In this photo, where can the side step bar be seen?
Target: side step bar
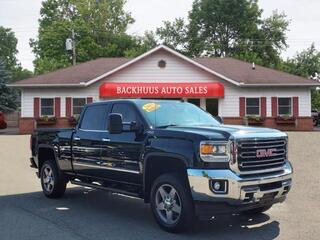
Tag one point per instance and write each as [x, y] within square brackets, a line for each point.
[115, 190]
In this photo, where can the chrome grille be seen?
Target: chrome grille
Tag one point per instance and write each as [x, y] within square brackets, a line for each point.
[261, 155]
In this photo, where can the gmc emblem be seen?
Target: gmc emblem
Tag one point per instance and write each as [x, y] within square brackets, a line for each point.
[265, 152]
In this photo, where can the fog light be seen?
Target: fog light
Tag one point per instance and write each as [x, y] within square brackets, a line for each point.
[216, 186]
[219, 186]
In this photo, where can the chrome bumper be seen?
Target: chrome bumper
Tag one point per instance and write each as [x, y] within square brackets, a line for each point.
[240, 190]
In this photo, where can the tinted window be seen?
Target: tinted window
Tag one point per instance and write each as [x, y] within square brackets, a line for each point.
[253, 106]
[95, 118]
[284, 106]
[47, 106]
[77, 105]
[128, 112]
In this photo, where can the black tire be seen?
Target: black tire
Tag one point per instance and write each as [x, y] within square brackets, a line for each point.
[56, 180]
[182, 198]
[257, 210]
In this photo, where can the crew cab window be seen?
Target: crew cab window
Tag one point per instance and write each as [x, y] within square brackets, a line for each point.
[284, 106]
[252, 106]
[77, 105]
[128, 112]
[47, 106]
[94, 118]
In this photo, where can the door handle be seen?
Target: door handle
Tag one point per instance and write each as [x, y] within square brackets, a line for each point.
[76, 139]
[105, 139]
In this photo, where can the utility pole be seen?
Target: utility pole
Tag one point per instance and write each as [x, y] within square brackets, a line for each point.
[74, 57]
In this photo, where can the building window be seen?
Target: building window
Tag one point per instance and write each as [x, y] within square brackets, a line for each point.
[284, 106]
[47, 107]
[253, 106]
[77, 105]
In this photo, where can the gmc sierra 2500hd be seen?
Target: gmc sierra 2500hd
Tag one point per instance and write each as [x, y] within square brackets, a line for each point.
[172, 154]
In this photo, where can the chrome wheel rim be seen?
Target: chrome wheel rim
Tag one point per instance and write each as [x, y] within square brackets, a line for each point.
[168, 204]
[48, 179]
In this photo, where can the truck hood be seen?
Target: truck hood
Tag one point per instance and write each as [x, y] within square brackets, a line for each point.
[230, 131]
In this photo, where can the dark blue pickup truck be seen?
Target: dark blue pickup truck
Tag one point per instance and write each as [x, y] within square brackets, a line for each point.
[174, 155]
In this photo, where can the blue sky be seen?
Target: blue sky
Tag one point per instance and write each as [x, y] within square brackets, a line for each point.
[22, 16]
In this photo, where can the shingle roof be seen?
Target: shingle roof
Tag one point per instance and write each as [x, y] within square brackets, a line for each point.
[82, 72]
[236, 71]
[241, 71]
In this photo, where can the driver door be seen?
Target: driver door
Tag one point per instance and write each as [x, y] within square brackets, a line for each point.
[121, 153]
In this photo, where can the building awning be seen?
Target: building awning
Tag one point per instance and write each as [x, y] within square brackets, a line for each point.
[161, 90]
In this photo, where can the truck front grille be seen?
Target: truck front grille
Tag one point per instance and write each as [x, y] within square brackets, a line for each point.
[261, 155]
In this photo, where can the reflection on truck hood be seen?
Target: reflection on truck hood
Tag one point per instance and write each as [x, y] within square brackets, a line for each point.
[226, 131]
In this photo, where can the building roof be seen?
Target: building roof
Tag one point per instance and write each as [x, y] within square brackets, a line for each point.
[244, 73]
[75, 75]
[237, 72]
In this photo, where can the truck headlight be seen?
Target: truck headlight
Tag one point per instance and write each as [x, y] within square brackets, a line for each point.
[211, 151]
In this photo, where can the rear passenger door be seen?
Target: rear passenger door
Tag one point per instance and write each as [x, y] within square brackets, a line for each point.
[87, 140]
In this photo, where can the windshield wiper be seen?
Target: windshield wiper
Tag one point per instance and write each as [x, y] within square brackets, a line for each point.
[166, 126]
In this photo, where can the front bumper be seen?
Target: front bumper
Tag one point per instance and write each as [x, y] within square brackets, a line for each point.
[242, 191]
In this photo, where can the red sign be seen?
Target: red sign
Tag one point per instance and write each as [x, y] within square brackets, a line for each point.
[161, 90]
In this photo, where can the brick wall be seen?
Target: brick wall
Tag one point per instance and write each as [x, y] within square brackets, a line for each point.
[302, 124]
[27, 125]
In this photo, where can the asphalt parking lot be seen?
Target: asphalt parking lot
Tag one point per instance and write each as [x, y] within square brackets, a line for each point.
[88, 214]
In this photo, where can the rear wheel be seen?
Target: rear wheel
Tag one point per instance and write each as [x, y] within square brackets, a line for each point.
[52, 181]
[171, 203]
[258, 210]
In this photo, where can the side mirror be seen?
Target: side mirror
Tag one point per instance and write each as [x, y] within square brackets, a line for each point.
[115, 124]
[219, 119]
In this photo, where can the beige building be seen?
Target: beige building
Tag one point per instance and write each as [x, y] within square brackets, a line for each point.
[232, 89]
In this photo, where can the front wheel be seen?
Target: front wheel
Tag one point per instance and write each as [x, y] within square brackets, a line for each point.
[171, 203]
[52, 181]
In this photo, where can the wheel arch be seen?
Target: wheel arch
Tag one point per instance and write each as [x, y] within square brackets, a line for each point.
[156, 164]
[46, 152]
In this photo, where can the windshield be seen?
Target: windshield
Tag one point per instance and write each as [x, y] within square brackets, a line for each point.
[175, 113]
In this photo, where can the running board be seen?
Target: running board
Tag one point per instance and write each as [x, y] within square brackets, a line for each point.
[114, 190]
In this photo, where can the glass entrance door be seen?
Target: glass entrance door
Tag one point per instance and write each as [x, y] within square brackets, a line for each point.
[195, 101]
[212, 106]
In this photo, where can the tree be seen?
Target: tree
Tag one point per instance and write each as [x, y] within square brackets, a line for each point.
[306, 64]
[175, 35]
[143, 44]
[266, 43]
[8, 97]
[8, 47]
[20, 73]
[233, 28]
[8, 53]
[100, 31]
[217, 27]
